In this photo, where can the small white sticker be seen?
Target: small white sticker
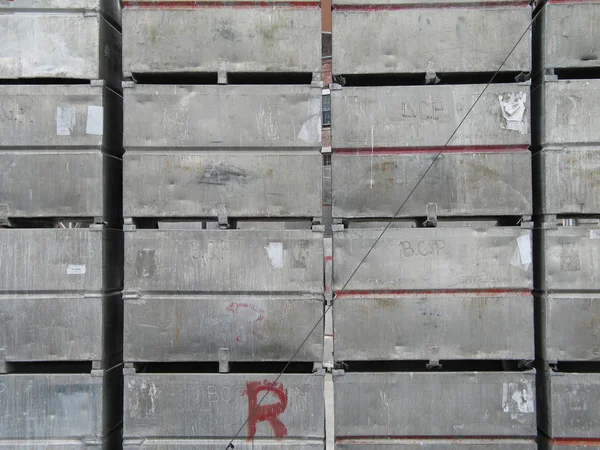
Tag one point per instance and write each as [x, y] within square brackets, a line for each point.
[95, 120]
[275, 253]
[517, 398]
[594, 234]
[311, 130]
[524, 243]
[513, 110]
[65, 120]
[76, 269]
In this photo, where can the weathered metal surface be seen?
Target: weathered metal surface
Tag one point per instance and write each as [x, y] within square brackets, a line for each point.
[433, 258]
[569, 327]
[111, 8]
[434, 444]
[569, 444]
[569, 258]
[454, 39]
[62, 116]
[568, 180]
[57, 183]
[306, 443]
[435, 404]
[271, 261]
[427, 116]
[209, 405]
[219, 117]
[568, 31]
[459, 183]
[572, 401]
[434, 327]
[73, 45]
[55, 406]
[205, 184]
[59, 260]
[200, 38]
[570, 108]
[195, 328]
[60, 328]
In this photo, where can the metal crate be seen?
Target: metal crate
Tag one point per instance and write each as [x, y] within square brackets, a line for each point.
[460, 326]
[212, 444]
[478, 404]
[221, 117]
[204, 407]
[479, 183]
[109, 8]
[421, 117]
[436, 444]
[431, 259]
[188, 183]
[428, 36]
[198, 37]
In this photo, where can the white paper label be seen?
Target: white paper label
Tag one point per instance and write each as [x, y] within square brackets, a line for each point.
[65, 120]
[76, 269]
[95, 120]
[594, 234]
[524, 243]
[275, 253]
[513, 111]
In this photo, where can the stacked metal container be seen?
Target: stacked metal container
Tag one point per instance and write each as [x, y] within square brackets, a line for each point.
[222, 204]
[60, 247]
[433, 333]
[566, 167]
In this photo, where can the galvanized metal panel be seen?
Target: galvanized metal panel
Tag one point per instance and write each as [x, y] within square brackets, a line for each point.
[460, 184]
[194, 328]
[209, 405]
[570, 323]
[204, 184]
[442, 3]
[569, 258]
[433, 258]
[111, 8]
[63, 116]
[435, 404]
[426, 116]
[430, 39]
[570, 110]
[74, 45]
[568, 33]
[434, 327]
[50, 406]
[272, 261]
[434, 444]
[212, 444]
[568, 180]
[61, 260]
[218, 117]
[573, 405]
[200, 38]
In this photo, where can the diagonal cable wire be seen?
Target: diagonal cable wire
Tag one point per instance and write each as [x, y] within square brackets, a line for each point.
[536, 14]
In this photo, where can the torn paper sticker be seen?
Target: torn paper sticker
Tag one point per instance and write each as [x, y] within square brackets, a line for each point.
[65, 120]
[311, 130]
[76, 269]
[275, 253]
[522, 256]
[513, 110]
[594, 234]
[517, 399]
[95, 120]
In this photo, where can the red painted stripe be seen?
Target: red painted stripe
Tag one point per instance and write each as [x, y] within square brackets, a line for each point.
[480, 292]
[348, 439]
[217, 4]
[328, 258]
[573, 1]
[469, 5]
[591, 442]
[449, 149]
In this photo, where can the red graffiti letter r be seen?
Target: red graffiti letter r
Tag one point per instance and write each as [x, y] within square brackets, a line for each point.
[266, 413]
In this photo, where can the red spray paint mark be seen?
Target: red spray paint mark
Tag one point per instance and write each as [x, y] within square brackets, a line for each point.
[415, 150]
[469, 5]
[265, 413]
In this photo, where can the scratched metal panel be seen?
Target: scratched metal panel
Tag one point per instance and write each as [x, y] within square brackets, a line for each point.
[426, 116]
[569, 327]
[568, 180]
[209, 405]
[434, 327]
[456, 39]
[433, 258]
[51, 406]
[212, 444]
[194, 328]
[59, 45]
[435, 444]
[61, 260]
[209, 39]
[63, 116]
[272, 261]
[570, 110]
[460, 184]
[222, 116]
[203, 184]
[569, 258]
[568, 35]
[435, 404]
[573, 400]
